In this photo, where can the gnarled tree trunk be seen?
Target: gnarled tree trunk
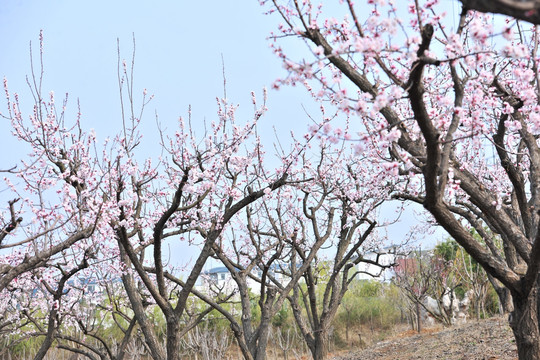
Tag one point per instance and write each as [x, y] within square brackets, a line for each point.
[524, 324]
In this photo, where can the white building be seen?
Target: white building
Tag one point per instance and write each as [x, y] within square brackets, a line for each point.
[368, 270]
[219, 280]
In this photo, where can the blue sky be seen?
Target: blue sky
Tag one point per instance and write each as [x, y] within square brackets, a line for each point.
[179, 53]
[179, 49]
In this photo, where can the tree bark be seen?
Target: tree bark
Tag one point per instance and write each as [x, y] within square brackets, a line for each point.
[524, 10]
[505, 298]
[320, 345]
[524, 324]
[139, 312]
[347, 326]
[173, 339]
[418, 317]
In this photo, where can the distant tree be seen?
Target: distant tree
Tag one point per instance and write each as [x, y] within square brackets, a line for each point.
[472, 277]
[447, 250]
[422, 276]
[337, 209]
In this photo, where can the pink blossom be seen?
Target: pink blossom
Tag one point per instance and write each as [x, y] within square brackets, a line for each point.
[319, 51]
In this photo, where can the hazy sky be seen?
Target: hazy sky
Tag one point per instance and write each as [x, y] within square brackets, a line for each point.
[179, 50]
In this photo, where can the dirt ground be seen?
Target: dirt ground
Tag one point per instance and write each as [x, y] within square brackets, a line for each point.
[489, 339]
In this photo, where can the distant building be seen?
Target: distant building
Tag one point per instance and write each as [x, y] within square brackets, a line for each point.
[368, 270]
[219, 279]
[216, 280]
[92, 285]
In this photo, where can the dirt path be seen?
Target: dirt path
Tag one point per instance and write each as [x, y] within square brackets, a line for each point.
[489, 339]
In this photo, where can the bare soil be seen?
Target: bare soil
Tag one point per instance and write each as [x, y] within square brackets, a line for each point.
[489, 339]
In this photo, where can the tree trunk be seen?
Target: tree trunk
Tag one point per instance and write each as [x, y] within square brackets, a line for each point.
[241, 340]
[135, 299]
[506, 301]
[524, 323]
[319, 347]
[418, 317]
[505, 298]
[173, 339]
[47, 342]
[347, 325]
[262, 342]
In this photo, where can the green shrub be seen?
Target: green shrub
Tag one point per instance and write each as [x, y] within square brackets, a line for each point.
[281, 318]
[370, 303]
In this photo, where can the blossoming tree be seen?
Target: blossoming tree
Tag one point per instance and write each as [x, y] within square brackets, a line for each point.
[453, 105]
[103, 207]
[339, 208]
[276, 250]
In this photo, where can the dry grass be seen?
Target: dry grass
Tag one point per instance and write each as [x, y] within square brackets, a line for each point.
[489, 339]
